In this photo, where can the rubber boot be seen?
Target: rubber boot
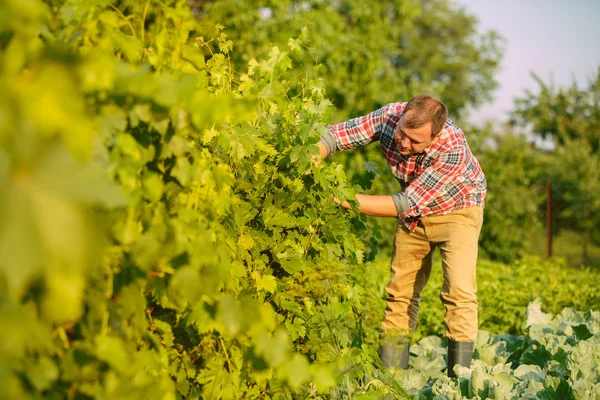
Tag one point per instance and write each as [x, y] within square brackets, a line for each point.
[459, 353]
[394, 351]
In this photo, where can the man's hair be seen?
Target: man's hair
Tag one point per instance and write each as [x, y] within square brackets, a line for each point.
[425, 109]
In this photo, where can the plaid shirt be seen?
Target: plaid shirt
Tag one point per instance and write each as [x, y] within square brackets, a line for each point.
[445, 177]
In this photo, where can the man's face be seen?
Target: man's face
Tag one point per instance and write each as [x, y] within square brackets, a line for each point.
[413, 140]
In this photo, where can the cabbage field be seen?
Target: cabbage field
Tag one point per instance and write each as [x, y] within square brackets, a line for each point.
[557, 358]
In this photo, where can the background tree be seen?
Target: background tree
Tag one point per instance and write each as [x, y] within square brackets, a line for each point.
[369, 54]
[570, 119]
[514, 172]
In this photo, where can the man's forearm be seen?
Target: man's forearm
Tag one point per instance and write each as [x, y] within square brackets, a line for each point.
[377, 206]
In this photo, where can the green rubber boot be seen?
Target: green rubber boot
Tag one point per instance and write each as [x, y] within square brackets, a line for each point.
[394, 351]
[459, 353]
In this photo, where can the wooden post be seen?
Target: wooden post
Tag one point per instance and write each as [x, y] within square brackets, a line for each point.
[548, 219]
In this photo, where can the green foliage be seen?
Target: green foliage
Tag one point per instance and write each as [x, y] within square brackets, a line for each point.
[562, 114]
[563, 247]
[514, 170]
[574, 171]
[369, 54]
[570, 119]
[160, 235]
[164, 232]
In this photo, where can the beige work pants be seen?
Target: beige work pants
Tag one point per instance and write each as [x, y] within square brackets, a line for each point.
[456, 234]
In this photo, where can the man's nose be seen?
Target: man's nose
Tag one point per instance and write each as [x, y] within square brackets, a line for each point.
[405, 142]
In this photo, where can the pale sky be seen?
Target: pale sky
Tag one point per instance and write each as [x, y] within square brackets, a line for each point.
[559, 40]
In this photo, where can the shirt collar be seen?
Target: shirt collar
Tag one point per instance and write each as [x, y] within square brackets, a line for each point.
[436, 146]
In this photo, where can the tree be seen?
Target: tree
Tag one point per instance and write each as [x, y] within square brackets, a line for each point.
[562, 114]
[369, 53]
[514, 171]
[570, 119]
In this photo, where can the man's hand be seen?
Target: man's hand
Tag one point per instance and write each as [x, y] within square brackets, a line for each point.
[318, 159]
[322, 151]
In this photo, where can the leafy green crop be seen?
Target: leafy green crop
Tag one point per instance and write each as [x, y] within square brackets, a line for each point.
[160, 234]
[558, 359]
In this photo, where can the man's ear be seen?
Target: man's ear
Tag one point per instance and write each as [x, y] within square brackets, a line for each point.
[436, 138]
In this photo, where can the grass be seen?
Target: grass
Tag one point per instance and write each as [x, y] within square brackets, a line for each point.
[567, 245]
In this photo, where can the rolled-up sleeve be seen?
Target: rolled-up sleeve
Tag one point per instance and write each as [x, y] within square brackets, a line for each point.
[328, 139]
[401, 202]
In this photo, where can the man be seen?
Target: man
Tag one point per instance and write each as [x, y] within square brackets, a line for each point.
[440, 205]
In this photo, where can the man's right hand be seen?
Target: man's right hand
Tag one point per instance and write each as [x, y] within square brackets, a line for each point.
[318, 159]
